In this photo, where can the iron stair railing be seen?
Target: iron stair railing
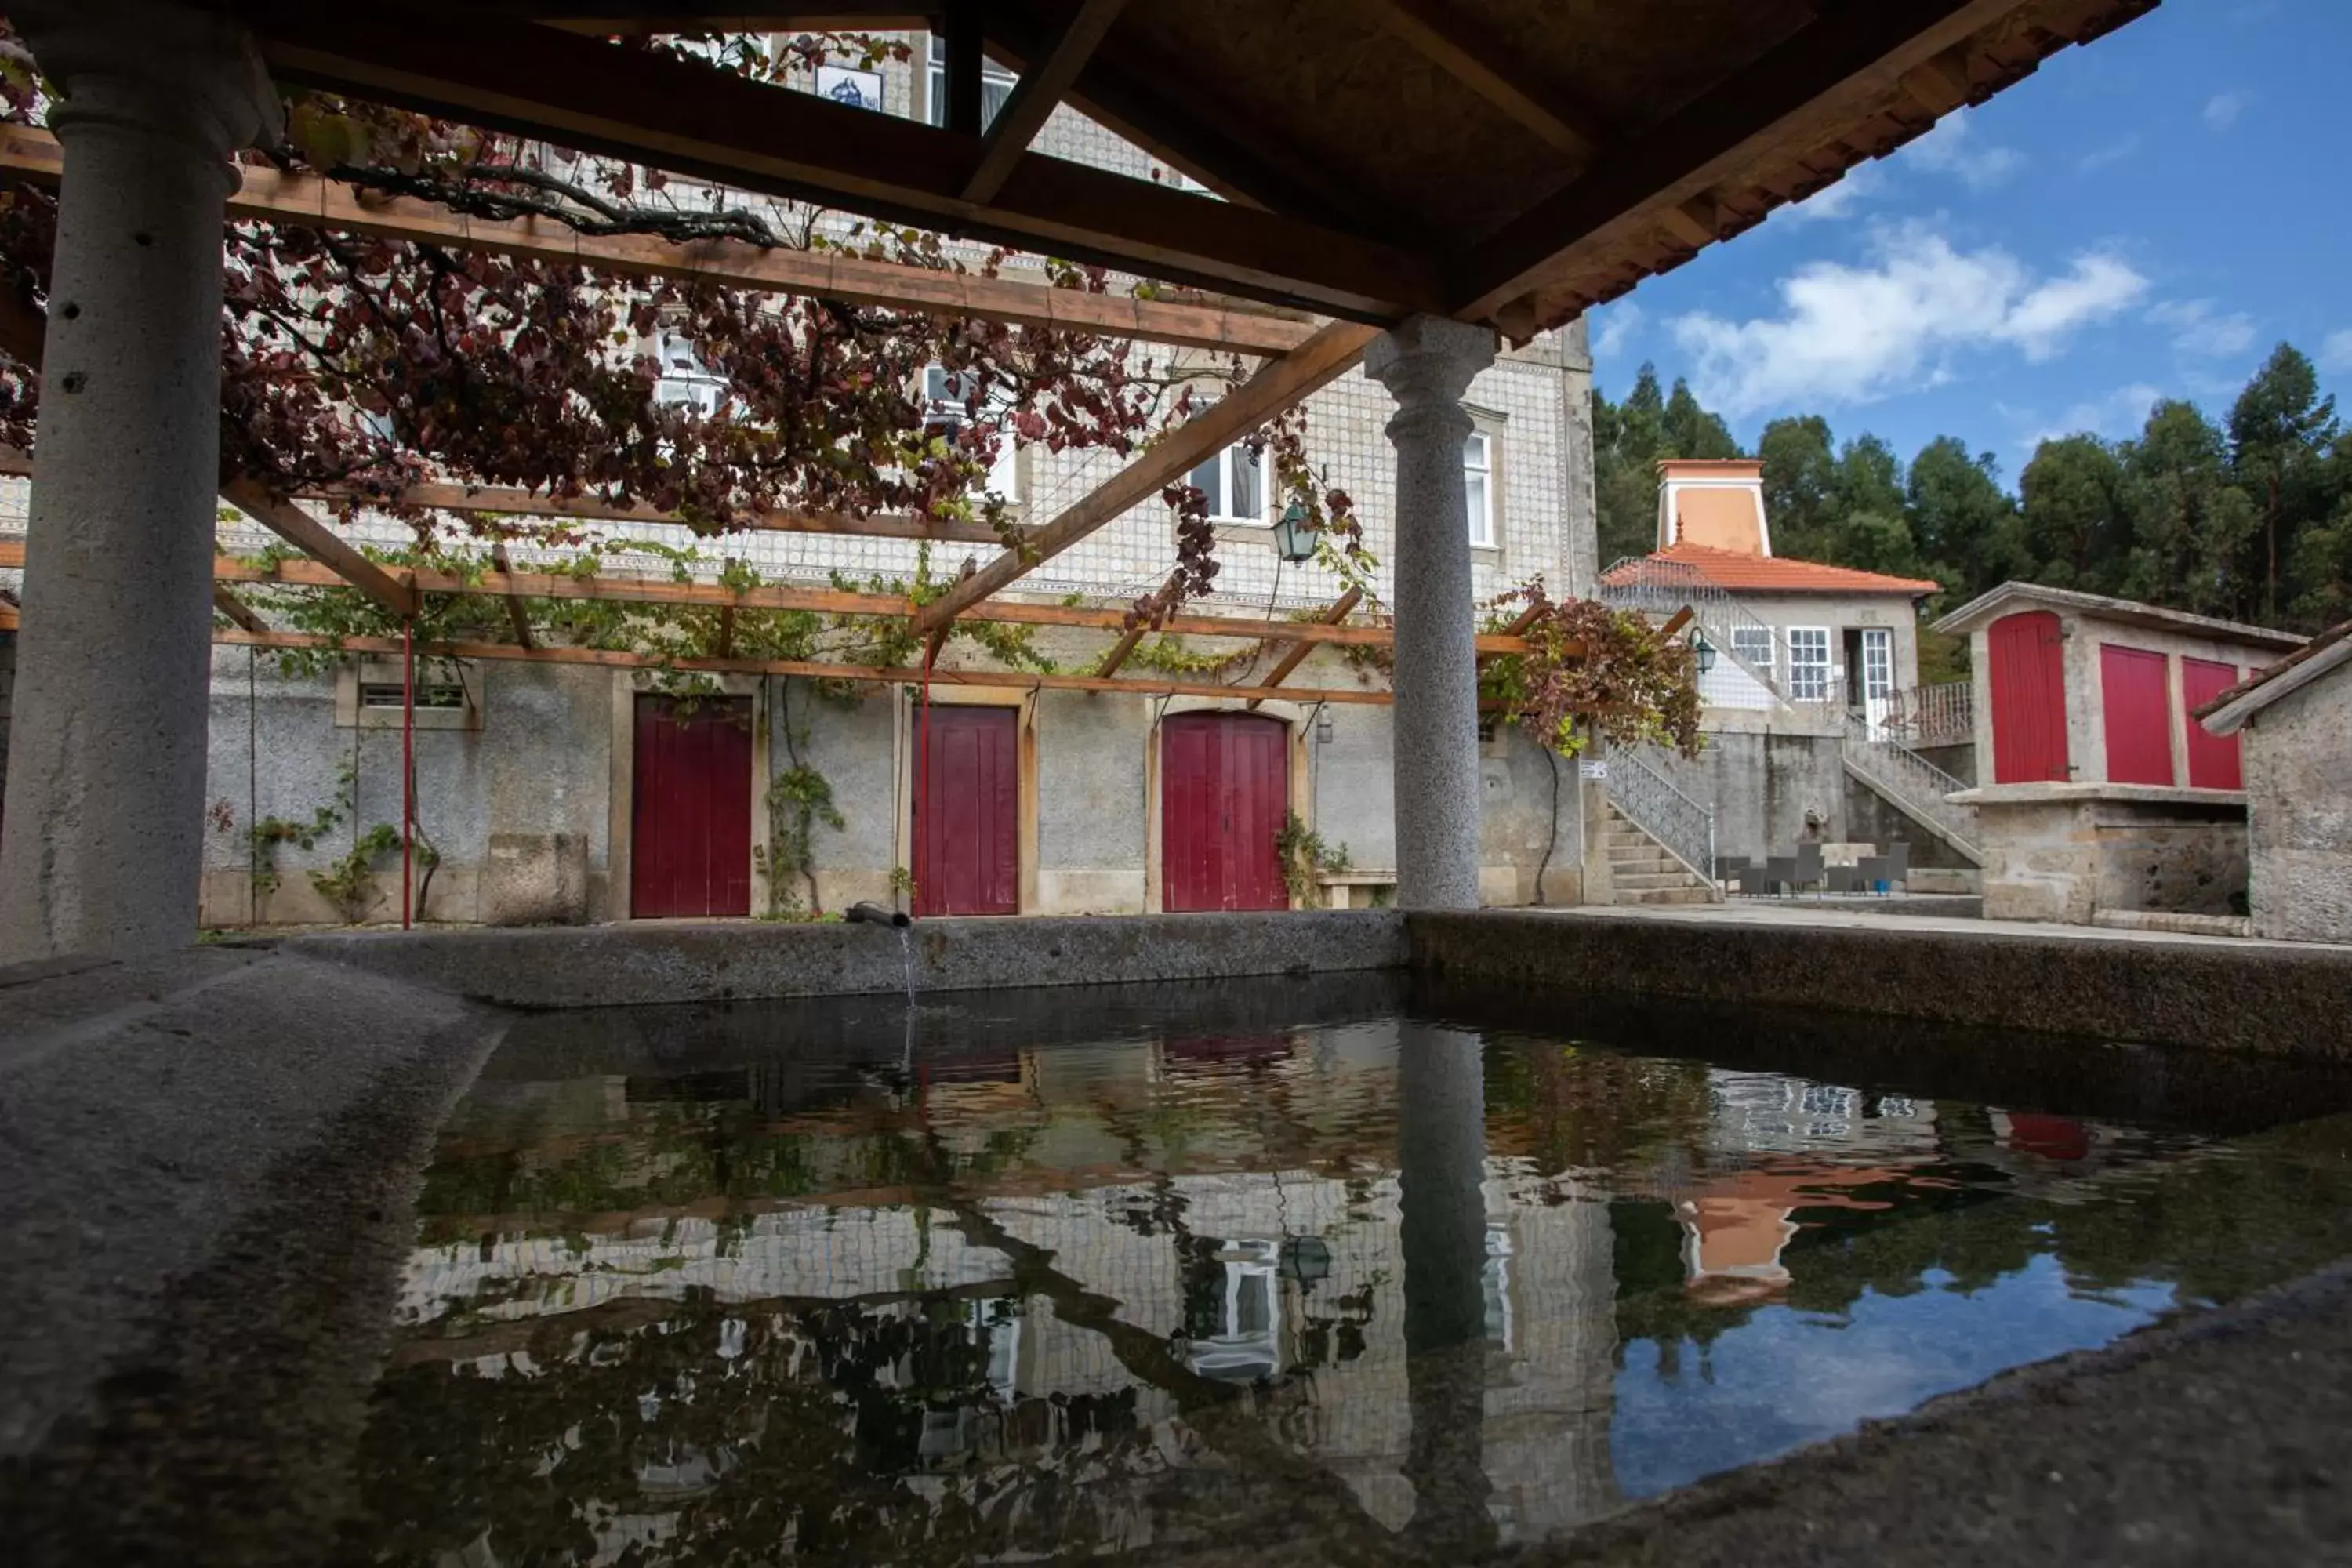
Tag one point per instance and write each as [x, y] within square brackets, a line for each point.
[1914, 784]
[1684, 827]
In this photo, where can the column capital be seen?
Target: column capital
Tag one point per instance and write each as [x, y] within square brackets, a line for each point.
[1428, 360]
[188, 76]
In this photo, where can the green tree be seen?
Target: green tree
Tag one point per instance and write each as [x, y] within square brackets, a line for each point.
[2279, 429]
[1691, 431]
[1965, 523]
[1800, 485]
[2190, 525]
[2075, 535]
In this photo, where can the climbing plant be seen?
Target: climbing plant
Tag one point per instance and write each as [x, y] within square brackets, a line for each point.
[1304, 858]
[1591, 671]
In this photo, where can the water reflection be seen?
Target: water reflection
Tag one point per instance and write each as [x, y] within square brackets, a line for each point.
[1322, 1274]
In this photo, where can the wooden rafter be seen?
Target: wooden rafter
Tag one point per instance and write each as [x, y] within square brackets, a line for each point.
[1789, 101]
[1040, 90]
[1517, 628]
[518, 613]
[265, 193]
[237, 609]
[1129, 638]
[1458, 45]
[300, 574]
[1329, 354]
[698, 120]
[307, 534]
[1299, 650]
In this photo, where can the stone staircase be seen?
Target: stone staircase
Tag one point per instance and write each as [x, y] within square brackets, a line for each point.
[1642, 871]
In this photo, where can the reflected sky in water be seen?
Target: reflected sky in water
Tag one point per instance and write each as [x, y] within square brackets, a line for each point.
[1319, 1266]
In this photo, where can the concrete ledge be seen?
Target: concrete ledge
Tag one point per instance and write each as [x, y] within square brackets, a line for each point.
[2176, 921]
[660, 961]
[2202, 992]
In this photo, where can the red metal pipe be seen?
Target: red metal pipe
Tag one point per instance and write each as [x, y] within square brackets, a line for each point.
[923, 778]
[408, 761]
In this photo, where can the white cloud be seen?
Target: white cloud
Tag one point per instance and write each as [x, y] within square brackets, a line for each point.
[1951, 148]
[2198, 330]
[1848, 334]
[1618, 322]
[2221, 110]
[2098, 158]
[2120, 413]
[2336, 350]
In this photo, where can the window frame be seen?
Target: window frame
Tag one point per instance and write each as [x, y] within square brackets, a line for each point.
[935, 82]
[1224, 460]
[1828, 665]
[1485, 521]
[943, 408]
[1769, 662]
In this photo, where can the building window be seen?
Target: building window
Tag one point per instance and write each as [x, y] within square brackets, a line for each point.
[947, 408]
[1752, 645]
[1234, 482]
[996, 85]
[684, 381]
[1809, 664]
[430, 694]
[1478, 488]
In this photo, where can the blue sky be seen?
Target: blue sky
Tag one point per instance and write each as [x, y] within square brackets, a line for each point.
[2144, 217]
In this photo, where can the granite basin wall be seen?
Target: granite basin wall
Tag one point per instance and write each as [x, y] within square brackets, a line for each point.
[688, 962]
[2204, 992]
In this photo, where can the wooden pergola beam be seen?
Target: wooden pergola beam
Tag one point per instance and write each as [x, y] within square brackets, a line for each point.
[1517, 628]
[237, 609]
[300, 574]
[266, 194]
[1131, 638]
[1333, 351]
[815, 669]
[518, 613]
[307, 534]
[1464, 50]
[1299, 650]
[698, 120]
[1041, 87]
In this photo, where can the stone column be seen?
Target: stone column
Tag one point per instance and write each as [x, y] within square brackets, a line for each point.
[102, 847]
[1427, 364]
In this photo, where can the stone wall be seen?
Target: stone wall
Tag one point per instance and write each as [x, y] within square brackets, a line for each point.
[530, 807]
[8, 694]
[2067, 856]
[1871, 818]
[2298, 768]
[1763, 784]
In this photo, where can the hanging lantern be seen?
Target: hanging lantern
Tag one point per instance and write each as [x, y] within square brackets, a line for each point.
[1703, 650]
[1294, 536]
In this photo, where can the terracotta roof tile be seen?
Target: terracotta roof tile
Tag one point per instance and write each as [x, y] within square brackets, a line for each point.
[1741, 573]
[2264, 677]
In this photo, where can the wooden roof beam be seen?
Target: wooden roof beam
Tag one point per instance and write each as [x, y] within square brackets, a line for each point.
[237, 609]
[266, 195]
[1465, 51]
[1131, 637]
[1786, 101]
[1299, 650]
[1333, 351]
[695, 119]
[1042, 87]
[518, 613]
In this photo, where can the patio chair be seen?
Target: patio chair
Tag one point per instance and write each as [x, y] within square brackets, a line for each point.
[1898, 865]
[1873, 872]
[1843, 879]
[1781, 872]
[1809, 867]
[1753, 881]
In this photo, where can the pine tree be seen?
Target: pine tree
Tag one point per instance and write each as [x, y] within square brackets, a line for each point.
[2279, 429]
[2075, 531]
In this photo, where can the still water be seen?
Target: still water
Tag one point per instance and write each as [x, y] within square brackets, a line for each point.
[1319, 1270]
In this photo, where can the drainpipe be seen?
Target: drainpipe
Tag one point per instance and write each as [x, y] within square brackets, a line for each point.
[408, 764]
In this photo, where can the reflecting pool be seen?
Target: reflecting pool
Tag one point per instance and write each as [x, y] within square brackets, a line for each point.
[1326, 1269]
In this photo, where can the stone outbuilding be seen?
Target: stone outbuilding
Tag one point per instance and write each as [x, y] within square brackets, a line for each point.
[2098, 799]
[2294, 723]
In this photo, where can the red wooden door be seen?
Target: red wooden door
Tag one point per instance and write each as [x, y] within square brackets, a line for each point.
[690, 817]
[2134, 692]
[2028, 677]
[968, 815]
[1225, 789]
[2212, 759]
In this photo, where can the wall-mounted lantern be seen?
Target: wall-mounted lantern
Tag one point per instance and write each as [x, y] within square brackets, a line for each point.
[1704, 651]
[1294, 536]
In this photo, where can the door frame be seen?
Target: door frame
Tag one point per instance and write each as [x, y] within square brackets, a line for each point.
[621, 817]
[1302, 799]
[907, 715]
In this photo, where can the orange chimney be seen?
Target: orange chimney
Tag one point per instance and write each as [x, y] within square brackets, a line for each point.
[1717, 502]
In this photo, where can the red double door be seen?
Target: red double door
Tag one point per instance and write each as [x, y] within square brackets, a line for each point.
[1225, 789]
[2028, 699]
[690, 815]
[968, 812]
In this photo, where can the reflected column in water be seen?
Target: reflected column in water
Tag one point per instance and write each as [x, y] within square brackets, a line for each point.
[1441, 1156]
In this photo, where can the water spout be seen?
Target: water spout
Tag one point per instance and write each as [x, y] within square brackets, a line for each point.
[872, 914]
